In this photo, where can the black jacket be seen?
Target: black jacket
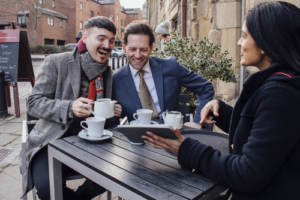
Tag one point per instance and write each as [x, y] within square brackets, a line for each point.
[264, 131]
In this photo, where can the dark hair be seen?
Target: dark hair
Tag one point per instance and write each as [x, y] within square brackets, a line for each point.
[100, 22]
[275, 27]
[139, 28]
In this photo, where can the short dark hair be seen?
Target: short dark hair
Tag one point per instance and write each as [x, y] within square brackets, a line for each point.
[275, 27]
[100, 22]
[138, 27]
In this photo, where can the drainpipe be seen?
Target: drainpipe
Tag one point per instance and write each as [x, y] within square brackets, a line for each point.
[183, 17]
[242, 68]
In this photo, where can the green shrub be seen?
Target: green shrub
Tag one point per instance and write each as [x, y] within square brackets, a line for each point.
[45, 49]
[202, 57]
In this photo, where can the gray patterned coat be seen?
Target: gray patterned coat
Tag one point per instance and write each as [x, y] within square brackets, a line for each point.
[56, 87]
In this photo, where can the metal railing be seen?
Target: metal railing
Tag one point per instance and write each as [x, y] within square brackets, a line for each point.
[118, 61]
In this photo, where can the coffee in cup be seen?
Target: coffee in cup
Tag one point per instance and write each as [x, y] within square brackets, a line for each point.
[104, 108]
[143, 116]
[94, 126]
[173, 118]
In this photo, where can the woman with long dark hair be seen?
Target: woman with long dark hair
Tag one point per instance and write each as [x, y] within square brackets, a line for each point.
[264, 125]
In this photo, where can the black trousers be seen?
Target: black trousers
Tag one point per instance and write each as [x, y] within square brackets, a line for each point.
[40, 174]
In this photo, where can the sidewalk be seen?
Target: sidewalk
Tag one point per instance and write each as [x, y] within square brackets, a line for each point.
[10, 146]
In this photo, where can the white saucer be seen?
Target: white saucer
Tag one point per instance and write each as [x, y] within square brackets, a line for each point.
[136, 143]
[84, 135]
[137, 122]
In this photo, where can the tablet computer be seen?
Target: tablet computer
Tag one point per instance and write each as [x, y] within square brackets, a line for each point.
[134, 133]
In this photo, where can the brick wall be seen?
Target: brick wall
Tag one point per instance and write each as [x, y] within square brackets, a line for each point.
[65, 30]
[37, 25]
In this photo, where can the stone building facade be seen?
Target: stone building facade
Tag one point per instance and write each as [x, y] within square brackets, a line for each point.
[56, 22]
[219, 20]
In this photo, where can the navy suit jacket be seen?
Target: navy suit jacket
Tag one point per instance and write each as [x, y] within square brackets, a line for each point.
[169, 76]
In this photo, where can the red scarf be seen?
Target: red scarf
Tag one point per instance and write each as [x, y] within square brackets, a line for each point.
[93, 90]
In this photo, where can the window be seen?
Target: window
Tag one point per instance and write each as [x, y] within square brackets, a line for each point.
[48, 41]
[80, 25]
[50, 21]
[80, 6]
[43, 2]
[92, 13]
[22, 20]
[53, 4]
[60, 42]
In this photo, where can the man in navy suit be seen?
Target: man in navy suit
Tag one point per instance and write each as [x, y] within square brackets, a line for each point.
[164, 77]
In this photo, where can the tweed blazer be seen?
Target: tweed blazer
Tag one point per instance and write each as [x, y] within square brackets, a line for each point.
[56, 87]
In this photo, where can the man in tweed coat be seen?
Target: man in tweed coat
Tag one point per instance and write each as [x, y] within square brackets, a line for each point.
[61, 99]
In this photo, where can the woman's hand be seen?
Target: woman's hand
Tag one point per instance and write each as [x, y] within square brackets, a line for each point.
[164, 143]
[212, 106]
[193, 125]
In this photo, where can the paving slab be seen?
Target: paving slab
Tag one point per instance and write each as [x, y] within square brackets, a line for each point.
[2, 197]
[11, 189]
[15, 143]
[11, 127]
[10, 158]
[5, 139]
[14, 172]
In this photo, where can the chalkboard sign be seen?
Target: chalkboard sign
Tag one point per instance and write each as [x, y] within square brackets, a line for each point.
[9, 53]
[15, 59]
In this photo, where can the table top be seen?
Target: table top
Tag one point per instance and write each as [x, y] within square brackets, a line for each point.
[152, 173]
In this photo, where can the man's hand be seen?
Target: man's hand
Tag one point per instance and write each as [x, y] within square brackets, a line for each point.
[164, 143]
[82, 107]
[117, 110]
[212, 106]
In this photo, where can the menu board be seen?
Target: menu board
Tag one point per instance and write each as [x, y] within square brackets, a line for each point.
[15, 59]
[9, 53]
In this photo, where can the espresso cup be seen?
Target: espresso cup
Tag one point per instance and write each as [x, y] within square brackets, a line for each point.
[143, 116]
[104, 108]
[173, 118]
[94, 126]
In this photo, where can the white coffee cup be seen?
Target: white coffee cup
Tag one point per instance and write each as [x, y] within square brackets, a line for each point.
[104, 108]
[143, 115]
[173, 118]
[94, 126]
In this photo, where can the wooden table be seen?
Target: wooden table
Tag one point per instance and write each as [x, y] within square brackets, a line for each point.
[129, 171]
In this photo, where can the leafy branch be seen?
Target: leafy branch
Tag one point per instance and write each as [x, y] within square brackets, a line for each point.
[202, 57]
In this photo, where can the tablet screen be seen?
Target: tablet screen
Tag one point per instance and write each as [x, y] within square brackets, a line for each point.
[135, 133]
